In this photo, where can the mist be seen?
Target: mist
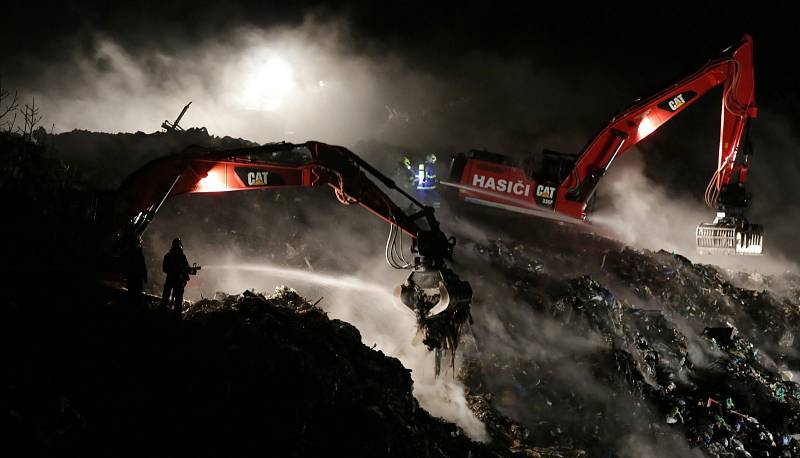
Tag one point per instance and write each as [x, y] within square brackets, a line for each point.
[292, 84]
[645, 214]
[384, 323]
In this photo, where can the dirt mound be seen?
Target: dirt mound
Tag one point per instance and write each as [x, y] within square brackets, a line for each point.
[248, 374]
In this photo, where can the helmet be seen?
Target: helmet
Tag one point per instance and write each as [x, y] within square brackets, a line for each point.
[431, 158]
[176, 243]
[406, 161]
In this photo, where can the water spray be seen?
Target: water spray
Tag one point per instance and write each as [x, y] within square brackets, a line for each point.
[344, 282]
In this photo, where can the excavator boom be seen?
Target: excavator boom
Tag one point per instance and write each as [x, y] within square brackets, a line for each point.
[440, 299]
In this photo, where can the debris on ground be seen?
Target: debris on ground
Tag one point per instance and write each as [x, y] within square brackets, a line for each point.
[682, 354]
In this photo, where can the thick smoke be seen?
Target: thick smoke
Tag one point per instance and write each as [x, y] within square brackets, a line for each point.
[318, 81]
[282, 84]
[289, 84]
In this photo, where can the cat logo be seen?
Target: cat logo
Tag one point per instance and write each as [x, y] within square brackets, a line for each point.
[253, 177]
[675, 102]
[545, 192]
[546, 195]
[257, 178]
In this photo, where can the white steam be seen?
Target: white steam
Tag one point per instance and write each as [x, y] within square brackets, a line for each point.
[644, 214]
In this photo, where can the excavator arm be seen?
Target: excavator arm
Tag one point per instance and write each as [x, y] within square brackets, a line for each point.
[730, 233]
[734, 70]
[568, 183]
[440, 299]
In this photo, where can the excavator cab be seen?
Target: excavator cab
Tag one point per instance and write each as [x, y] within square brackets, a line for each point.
[551, 167]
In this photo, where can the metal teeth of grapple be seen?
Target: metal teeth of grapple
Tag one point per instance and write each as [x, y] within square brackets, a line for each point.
[441, 302]
[715, 238]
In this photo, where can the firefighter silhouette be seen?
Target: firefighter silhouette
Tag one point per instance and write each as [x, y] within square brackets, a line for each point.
[177, 268]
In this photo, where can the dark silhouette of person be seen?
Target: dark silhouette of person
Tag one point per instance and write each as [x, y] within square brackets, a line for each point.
[134, 270]
[177, 268]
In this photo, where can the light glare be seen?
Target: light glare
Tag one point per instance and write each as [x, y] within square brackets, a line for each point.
[213, 182]
[266, 84]
[646, 127]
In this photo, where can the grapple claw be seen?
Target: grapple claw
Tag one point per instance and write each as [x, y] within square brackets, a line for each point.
[730, 235]
[441, 302]
[433, 292]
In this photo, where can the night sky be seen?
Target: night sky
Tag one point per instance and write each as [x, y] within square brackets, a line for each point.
[635, 48]
[656, 38]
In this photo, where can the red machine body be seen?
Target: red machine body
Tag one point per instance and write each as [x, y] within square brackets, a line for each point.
[565, 184]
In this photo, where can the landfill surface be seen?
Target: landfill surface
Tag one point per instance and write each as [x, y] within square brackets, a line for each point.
[685, 354]
[580, 346]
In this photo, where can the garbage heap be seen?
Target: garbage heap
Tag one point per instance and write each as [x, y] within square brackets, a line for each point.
[676, 358]
[246, 374]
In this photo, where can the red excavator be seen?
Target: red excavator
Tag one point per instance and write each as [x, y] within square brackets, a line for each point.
[440, 299]
[562, 186]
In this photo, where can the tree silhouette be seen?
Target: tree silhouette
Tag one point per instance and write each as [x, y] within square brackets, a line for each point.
[10, 107]
[31, 118]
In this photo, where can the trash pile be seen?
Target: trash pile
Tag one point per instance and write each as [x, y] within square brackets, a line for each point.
[675, 354]
[704, 294]
[505, 432]
[244, 374]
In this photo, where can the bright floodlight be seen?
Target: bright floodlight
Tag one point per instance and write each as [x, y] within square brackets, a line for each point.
[266, 84]
[213, 182]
